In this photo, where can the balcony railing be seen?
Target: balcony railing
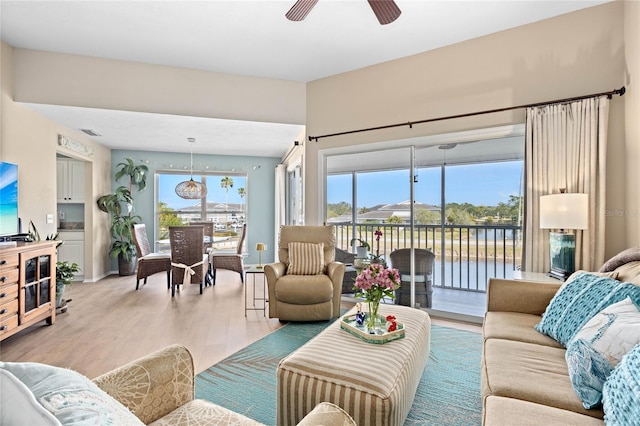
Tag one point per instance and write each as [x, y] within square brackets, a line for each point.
[466, 256]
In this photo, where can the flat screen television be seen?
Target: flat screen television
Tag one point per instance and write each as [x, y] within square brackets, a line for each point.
[9, 222]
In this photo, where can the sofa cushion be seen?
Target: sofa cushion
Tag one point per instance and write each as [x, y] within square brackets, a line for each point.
[629, 272]
[621, 393]
[501, 411]
[578, 300]
[599, 346]
[72, 398]
[515, 326]
[306, 258]
[529, 372]
[629, 255]
[199, 412]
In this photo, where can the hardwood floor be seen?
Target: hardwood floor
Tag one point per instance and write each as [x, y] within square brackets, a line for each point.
[109, 323]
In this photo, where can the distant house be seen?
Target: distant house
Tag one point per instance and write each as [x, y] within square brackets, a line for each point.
[215, 212]
[382, 212]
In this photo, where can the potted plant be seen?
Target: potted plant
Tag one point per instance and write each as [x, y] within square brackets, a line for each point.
[120, 205]
[362, 248]
[65, 273]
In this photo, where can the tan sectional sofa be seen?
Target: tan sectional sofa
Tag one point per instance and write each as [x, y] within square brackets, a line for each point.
[156, 389]
[524, 376]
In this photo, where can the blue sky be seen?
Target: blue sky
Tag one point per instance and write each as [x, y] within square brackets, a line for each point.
[480, 184]
[215, 193]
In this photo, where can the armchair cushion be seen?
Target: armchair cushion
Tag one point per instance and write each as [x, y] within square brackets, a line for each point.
[304, 289]
[306, 258]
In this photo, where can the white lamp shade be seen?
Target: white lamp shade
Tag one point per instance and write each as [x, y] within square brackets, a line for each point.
[564, 211]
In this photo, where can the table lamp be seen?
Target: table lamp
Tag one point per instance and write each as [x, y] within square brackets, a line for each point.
[260, 247]
[561, 212]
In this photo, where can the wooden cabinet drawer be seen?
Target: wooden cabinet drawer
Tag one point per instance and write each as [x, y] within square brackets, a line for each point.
[8, 324]
[8, 309]
[8, 293]
[9, 276]
[8, 261]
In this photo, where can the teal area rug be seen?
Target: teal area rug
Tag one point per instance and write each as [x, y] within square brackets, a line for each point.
[448, 394]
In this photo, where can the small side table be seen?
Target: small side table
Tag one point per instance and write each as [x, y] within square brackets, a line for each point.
[254, 270]
[534, 276]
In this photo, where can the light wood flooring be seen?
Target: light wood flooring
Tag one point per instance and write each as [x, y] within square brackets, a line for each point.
[109, 323]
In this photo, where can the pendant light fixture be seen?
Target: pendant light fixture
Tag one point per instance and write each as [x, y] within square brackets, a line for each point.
[191, 189]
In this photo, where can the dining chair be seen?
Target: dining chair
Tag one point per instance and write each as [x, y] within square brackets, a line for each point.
[149, 262]
[187, 259]
[207, 245]
[230, 260]
[208, 233]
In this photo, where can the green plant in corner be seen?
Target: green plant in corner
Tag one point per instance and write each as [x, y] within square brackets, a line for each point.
[121, 201]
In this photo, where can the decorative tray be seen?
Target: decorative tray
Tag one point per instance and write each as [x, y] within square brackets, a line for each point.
[348, 323]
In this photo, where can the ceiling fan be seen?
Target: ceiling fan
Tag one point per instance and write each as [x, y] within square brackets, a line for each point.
[386, 10]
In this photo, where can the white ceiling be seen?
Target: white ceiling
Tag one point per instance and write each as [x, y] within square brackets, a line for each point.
[242, 37]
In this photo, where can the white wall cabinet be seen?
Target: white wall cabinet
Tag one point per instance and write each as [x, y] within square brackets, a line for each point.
[70, 181]
[73, 249]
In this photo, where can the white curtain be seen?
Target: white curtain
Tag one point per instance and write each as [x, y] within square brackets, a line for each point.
[566, 148]
[280, 203]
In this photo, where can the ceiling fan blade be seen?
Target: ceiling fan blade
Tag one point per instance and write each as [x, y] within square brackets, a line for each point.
[386, 10]
[300, 10]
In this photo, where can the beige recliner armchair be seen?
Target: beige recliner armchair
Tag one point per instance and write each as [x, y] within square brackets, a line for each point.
[306, 283]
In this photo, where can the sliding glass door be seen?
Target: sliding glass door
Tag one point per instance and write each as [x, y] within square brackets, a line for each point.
[461, 202]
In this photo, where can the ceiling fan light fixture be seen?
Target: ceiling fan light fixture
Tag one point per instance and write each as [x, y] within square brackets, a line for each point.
[386, 11]
[300, 10]
[191, 189]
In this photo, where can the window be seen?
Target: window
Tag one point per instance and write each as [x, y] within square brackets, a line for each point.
[225, 205]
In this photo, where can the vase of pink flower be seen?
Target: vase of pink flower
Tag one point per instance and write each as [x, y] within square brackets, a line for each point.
[373, 284]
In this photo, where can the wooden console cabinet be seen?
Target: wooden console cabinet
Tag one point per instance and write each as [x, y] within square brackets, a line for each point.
[27, 286]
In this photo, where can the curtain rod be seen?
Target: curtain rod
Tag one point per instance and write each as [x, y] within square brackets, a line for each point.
[609, 94]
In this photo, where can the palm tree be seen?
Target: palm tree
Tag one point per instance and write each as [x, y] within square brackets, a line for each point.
[226, 183]
[242, 192]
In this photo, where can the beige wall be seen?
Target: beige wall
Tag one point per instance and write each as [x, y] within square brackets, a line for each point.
[60, 79]
[571, 55]
[632, 123]
[31, 141]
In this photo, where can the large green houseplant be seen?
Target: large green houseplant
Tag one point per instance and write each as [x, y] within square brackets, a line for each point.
[120, 205]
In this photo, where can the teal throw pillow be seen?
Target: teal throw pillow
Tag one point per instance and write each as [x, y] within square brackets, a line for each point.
[71, 397]
[598, 348]
[621, 392]
[579, 300]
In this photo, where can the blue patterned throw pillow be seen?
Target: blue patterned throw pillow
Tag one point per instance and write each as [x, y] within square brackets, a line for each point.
[598, 348]
[579, 300]
[621, 393]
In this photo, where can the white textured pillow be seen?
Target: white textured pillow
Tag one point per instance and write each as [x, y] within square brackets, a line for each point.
[599, 346]
[18, 406]
[69, 396]
[306, 258]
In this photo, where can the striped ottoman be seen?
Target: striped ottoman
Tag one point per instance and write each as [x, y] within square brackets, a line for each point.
[374, 383]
